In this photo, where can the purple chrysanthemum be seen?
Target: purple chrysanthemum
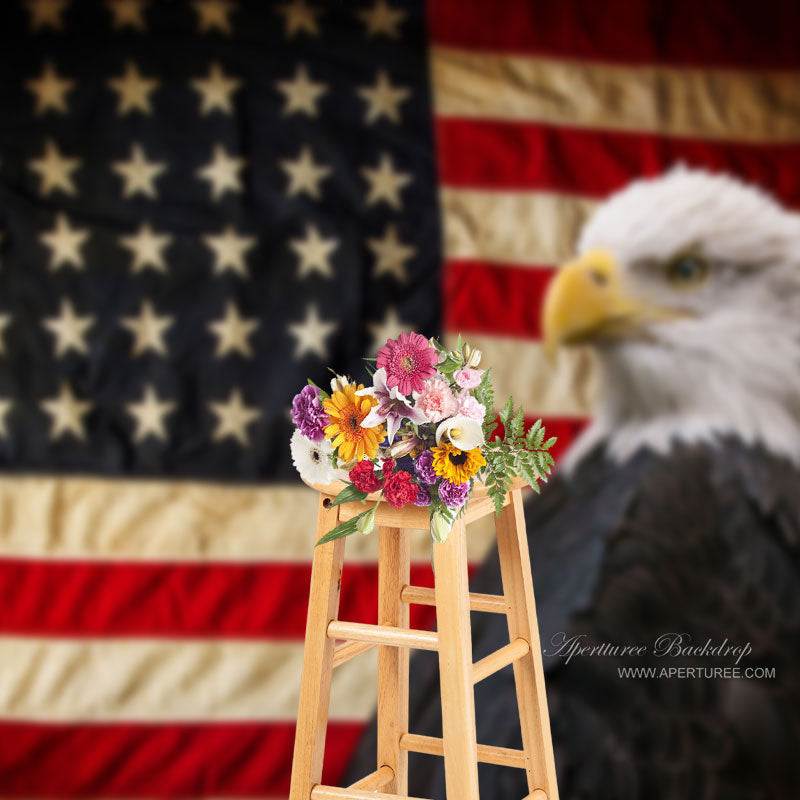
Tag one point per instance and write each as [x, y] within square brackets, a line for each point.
[423, 498]
[308, 414]
[454, 495]
[423, 466]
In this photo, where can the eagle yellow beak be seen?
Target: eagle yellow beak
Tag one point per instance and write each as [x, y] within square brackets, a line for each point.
[586, 301]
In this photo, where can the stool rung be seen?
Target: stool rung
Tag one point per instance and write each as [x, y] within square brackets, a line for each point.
[383, 634]
[344, 652]
[375, 780]
[494, 662]
[536, 794]
[423, 596]
[320, 792]
[487, 754]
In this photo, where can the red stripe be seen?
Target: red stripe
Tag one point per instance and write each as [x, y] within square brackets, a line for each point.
[513, 155]
[178, 599]
[164, 760]
[498, 299]
[737, 33]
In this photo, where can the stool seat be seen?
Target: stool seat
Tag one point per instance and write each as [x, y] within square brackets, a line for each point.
[452, 641]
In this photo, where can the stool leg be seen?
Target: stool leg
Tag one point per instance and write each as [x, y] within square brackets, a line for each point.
[393, 575]
[455, 666]
[315, 683]
[515, 567]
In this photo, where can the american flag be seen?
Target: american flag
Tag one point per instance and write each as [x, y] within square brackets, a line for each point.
[202, 203]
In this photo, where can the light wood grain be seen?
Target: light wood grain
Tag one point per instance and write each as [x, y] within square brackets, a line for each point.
[394, 564]
[515, 568]
[538, 794]
[334, 793]
[412, 517]
[383, 634]
[500, 658]
[342, 653]
[315, 680]
[424, 596]
[487, 754]
[455, 665]
[375, 780]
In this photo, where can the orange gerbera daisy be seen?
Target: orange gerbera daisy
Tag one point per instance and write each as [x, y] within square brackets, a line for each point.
[346, 412]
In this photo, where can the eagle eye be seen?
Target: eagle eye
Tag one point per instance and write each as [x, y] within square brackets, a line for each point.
[687, 270]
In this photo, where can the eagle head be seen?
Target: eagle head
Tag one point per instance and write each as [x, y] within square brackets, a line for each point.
[687, 287]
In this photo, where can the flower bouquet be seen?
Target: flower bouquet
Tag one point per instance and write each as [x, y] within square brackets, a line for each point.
[421, 434]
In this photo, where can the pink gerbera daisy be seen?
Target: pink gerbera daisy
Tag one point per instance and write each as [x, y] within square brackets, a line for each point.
[408, 361]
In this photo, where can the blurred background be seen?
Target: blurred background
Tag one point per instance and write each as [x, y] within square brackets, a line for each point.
[204, 202]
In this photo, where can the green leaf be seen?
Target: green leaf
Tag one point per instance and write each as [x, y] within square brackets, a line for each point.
[322, 392]
[532, 432]
[344, 529]
[517, 424]
[348, 495]
[549, 443]
[459, 343]
[508, 410]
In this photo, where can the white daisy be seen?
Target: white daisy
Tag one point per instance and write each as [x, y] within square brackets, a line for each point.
[312, 459]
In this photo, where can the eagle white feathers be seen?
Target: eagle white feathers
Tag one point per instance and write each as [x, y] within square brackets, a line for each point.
[688, 288]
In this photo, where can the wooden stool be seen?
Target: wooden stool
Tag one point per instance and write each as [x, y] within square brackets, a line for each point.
[393, 637]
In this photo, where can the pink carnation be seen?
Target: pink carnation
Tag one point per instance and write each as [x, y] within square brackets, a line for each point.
[437, 400]
[408, 361]
[468, 406]
[468, 378]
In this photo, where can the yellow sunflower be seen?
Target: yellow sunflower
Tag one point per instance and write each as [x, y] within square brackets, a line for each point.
[346, 412]
[457, 466]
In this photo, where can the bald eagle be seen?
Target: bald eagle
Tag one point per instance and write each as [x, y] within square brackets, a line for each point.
[673, 526]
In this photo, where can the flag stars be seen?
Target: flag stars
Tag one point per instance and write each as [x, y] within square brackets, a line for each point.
[304, 174]
[383, 99]
[222, 172]
[314, 252]
[54, 170]
[133, 91]
[232, 332]
[389, 328]
[233, 418]
[215, 91]
[66, 413]
[299, 17]
[391, 255]
[147, 248]
[69, 330]
[382, 20]
[214, 15]
[149, 415]
[50, 90]
[148, 329]
[311, 333]
[230, 249]
[65, 244]
[302, 93]
[385, 183]
[127, 14]
[46, 13]
[138, 174]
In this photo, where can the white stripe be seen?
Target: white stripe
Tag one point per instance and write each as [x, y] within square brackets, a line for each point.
[564, 387]
[93, 518]
[167, 680]
[749, 106]
[526, 228]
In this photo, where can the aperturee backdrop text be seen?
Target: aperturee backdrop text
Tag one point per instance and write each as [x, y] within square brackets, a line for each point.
[421, 434]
